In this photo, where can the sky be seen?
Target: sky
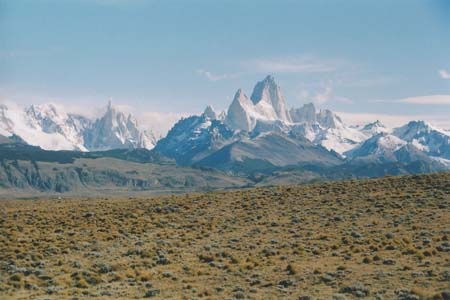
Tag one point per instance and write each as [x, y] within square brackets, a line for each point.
[366, 60]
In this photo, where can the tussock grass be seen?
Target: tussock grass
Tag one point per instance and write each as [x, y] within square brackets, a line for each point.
[385, 238]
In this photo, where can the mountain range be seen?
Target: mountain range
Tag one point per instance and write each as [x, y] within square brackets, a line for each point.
[52, 128]
[260, 134]
[258, 139]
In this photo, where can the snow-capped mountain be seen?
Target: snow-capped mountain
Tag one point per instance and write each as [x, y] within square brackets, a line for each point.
[242, 114]
[431, 140]
[380, 146]
[43, 126]
[255, 133]
[375, 128]
[325, 128]
[204, 141]
[51, 128]
[266, 104]
[248, 120]
[116, 130]
[195, 137]
[48, 119]
[388, 148]
[266, 111]
[261, 130]
[269, 100]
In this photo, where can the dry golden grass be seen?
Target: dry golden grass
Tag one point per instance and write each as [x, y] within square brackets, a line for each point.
[369, 239]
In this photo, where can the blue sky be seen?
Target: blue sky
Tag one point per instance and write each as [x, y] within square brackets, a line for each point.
[375, 58]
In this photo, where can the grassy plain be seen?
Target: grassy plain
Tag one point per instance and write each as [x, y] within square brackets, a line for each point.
[382, 238]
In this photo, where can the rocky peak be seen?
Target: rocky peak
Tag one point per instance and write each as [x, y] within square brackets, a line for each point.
[374, 128]
[305, 114]
[426, 137]
[50, 119]
[419, 126]
[240, 95]
[115, 129]
[376, 124]
[269, 92]
[210, 113]
[413, 129]
[238, 115]
[42, 110]
[46, 116]
[327, 119]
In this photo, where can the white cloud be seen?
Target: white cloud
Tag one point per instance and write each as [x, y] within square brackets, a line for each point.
[343, 100]
[290, 65]
[378, 101]
[428, 100]
[303, 95]
[325, 95]
[356, 80]
[160, 122]
[215, 77]
[392, 120]
[91, 112]
[444, 74]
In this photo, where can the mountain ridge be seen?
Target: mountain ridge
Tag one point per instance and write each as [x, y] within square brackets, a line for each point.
[257, 139]
[51, 128]
[247, 119]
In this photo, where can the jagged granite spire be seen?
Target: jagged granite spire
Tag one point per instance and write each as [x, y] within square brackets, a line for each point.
[114, 130]
[268, 91]
[265, 105]
[239, 113]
